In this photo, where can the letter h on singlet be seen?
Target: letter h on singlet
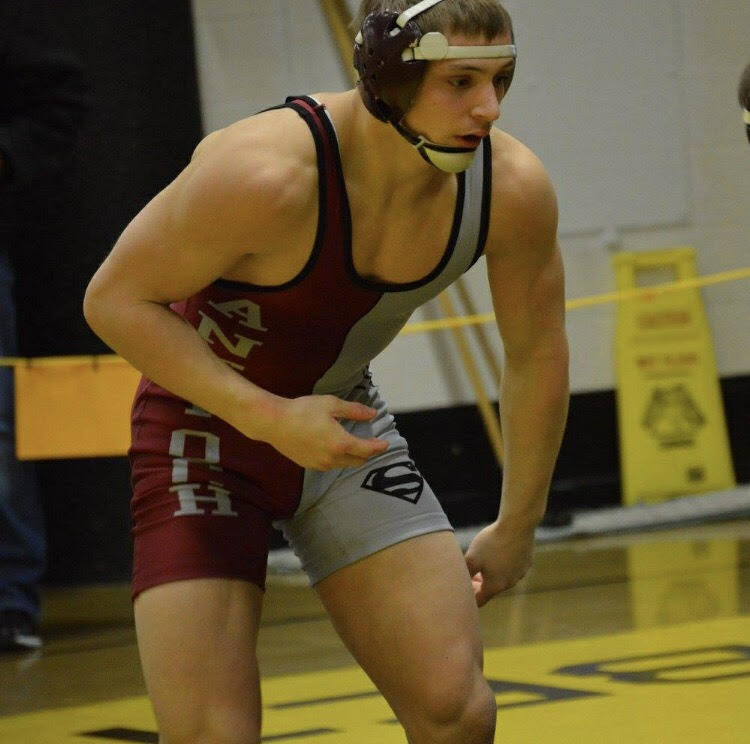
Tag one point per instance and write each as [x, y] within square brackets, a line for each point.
[187, 492]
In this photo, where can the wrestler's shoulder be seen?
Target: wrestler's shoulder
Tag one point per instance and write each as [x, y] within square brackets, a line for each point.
[524, 204]
[515, 166]
[270, 155]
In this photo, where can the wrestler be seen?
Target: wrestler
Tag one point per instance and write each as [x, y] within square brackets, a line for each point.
[252, 293]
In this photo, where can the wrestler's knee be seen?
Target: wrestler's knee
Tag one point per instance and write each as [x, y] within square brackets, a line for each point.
[213, 728]
[455, 713]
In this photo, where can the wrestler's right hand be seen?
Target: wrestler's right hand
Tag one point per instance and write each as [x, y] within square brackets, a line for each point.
[308, 431]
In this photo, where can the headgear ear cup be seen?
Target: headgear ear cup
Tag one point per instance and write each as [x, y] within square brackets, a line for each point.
[387, 84]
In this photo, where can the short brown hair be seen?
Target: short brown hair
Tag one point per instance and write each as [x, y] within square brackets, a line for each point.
[486, 18]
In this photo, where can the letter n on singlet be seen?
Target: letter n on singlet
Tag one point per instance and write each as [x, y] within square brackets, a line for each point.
[209, 329]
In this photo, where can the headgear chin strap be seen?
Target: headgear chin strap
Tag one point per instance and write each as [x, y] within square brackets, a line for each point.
[391, 54]
[448, 159]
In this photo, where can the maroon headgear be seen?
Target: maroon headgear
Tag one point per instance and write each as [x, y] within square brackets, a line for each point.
[388, 85]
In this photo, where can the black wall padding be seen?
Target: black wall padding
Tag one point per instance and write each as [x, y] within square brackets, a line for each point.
[143, 124]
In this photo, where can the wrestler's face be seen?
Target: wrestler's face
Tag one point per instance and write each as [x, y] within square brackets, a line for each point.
[459, 99]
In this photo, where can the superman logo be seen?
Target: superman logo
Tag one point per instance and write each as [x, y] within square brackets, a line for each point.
[401, 480]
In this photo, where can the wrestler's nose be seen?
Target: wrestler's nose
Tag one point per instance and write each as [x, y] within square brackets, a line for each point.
[487, 104]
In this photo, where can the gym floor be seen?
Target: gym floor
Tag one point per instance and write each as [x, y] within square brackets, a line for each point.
[641, 637]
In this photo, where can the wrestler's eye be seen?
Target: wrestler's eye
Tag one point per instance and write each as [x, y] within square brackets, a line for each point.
[459, 82]
[501, 81]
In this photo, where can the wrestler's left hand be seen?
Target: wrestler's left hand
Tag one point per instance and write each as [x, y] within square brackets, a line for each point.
[308, 431]
[498, 558]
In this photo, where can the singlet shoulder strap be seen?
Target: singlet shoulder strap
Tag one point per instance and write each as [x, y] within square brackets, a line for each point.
[478, 195]
[330, 189]
[313, 112]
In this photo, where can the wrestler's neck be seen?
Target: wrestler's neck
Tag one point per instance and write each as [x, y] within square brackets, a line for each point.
[374, 152]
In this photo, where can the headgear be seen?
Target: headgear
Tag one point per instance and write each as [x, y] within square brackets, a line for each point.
[391, 54]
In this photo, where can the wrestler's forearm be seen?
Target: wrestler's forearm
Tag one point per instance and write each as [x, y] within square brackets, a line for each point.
[533, 405]
[169, 351]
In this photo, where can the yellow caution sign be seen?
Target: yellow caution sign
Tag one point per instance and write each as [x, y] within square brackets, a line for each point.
[673, 435]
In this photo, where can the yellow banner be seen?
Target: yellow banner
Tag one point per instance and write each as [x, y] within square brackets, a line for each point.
[673, 435]
[73, 407]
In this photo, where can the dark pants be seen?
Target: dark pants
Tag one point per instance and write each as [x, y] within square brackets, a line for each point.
[22, 536]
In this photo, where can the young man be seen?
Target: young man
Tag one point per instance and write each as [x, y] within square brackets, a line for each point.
[252, 293]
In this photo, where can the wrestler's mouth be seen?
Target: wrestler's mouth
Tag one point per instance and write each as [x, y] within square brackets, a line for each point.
[470, 140]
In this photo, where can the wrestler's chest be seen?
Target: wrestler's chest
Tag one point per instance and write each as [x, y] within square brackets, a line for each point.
[401, 252]
[401, 243]
[390, 243]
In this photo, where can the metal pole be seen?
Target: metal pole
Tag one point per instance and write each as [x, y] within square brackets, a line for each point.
[339, 19]
[492, 361]
[487, 412]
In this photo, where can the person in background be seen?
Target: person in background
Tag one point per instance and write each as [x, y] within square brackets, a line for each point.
[743, 93]
[42, 107]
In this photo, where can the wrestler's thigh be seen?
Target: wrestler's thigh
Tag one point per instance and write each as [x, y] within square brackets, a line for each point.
[197, 641]
[408, 615]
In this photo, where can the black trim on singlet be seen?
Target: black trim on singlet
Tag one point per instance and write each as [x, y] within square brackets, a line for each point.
[309, 119]
[370, 284]
[484, 224]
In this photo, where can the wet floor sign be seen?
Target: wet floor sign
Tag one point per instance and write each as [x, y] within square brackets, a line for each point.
[673, 435]
[686, 683]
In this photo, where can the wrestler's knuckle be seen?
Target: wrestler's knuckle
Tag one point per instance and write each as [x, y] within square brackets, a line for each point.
[340, 448]
[326, 462]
